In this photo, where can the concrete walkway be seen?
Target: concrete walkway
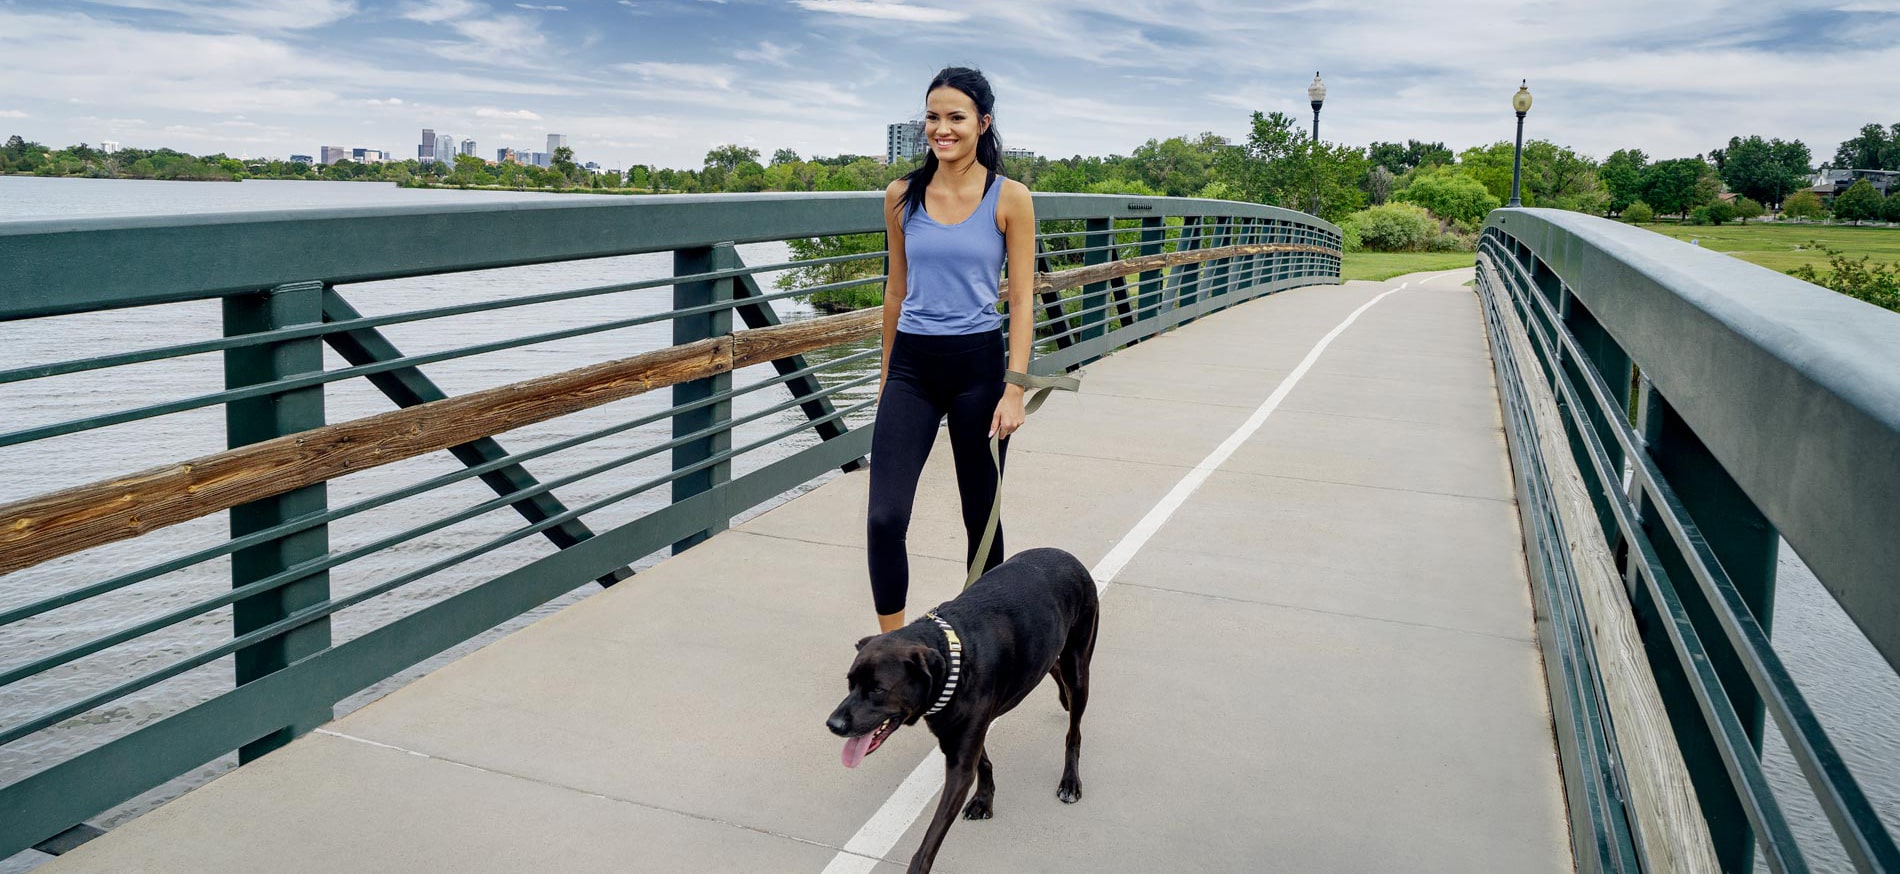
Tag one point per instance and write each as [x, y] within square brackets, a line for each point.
[1323, 661]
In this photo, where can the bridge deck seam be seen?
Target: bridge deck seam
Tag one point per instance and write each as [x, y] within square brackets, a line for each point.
[578, 791]
[1527, 640]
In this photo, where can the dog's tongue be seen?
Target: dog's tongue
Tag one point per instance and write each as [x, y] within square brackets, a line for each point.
[856, 748]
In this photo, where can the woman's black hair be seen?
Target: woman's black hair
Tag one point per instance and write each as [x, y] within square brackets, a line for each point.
[989, 146]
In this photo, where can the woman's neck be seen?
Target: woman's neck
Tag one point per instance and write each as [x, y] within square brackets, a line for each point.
[959, 168]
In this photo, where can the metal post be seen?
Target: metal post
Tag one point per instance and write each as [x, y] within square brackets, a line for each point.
[254, 420]
[1315, 210]
[1517, 162]
[687, 329]
[1745, 544]
[1099, 237]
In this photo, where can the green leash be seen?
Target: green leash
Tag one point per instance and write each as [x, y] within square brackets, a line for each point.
[1042, 386]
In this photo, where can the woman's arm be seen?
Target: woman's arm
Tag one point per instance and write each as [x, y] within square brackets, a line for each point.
[895, 277]
[1018, 211]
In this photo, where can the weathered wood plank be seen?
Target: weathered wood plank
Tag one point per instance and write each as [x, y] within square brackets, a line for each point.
[61, 523]
[1674, 837]
[68, 521]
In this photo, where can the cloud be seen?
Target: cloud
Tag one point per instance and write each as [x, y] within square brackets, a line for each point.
[515, 115]
[261, 14]
[717, 76]
[12, 113]
[438, 11]
[767, 53]
[389, 101]
[884, 11]
[541, 8]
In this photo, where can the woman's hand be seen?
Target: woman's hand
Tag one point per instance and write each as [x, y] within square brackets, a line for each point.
[1009, 413]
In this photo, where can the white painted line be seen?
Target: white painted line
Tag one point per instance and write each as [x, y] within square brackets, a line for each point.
[888, 824]
[881, 831]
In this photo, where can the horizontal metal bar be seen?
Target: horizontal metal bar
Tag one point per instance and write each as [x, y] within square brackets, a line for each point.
[1773, 374]
[77, 265]
[1847, 808]
[289, 527]
[51, 800]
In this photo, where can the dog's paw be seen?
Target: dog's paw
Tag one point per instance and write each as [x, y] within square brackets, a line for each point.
[978, 808]
[1069, 793]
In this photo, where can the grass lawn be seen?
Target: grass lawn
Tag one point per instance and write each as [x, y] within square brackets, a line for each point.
[1385, 265]
[1782, 247]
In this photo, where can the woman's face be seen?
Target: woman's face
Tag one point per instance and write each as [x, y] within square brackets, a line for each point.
[951, 123]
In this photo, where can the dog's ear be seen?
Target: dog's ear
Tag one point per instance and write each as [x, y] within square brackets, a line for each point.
[864, 640]
[927, 663]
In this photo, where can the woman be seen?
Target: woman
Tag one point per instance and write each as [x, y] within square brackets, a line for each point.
[948, 226]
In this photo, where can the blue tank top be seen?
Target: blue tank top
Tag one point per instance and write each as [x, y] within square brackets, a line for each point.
[953, 271]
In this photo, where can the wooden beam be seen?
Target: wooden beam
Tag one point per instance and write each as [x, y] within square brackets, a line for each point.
[61, 523]
[1662, 803]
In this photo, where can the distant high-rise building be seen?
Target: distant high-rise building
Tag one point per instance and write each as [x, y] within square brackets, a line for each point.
[556, 141]
[109, 146]
[333, 154]
[504, 155]
[903, 140]
[543, 159]
[468, 147]
[366, 156]
[301, 159]
[445, 148]
[1024, 154]
[426, 152]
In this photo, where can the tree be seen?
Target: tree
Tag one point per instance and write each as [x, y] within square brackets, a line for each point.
[1638, 212]
[1175, 166]
[1412, 155]
[1764, 170]
[1379, 182]
[1874, 149]
[1622, 175]
[1890, 208]
[1858, 203]
[1676, 187]
[1280, 165]
[1746, 209]
[784, 156]
[1450, 195]
[1718, 211]
[1803, 204]
[1553, 176]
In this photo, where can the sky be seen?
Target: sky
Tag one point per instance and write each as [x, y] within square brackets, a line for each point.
[660, 82]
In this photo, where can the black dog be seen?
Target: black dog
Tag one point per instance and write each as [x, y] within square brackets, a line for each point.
[1032, 615]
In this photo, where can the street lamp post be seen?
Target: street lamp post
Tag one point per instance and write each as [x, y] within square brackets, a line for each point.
[1316, 92]
[1521, 101]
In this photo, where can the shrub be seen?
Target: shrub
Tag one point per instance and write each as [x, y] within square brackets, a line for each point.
[1700, 216]
[1349, 232]
[1394, 227]
[1890, 210]
[1746, 209]
[1871, 281]
[1719, 212]
[1859, 202]
[1803, 204]
[1453, 241]
[1639, 213]
[1450, 195]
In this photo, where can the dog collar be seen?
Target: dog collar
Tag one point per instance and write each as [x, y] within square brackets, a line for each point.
[956, 663]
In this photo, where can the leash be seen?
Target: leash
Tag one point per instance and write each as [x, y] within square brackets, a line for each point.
[1042, 386]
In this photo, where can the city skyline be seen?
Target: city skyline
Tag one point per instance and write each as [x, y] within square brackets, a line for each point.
[629, 82]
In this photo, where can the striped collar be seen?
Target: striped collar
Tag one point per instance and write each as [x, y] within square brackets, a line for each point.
[956, 663]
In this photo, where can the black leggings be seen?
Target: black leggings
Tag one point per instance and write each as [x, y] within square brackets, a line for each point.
[932, 376]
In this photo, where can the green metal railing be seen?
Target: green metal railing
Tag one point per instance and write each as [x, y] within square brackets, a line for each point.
[288, 284]
[1713, 407]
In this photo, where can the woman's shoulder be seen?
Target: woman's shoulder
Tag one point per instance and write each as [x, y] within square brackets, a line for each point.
[896, 189]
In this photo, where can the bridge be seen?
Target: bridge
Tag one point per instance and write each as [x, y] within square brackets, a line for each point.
[1460, 571]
